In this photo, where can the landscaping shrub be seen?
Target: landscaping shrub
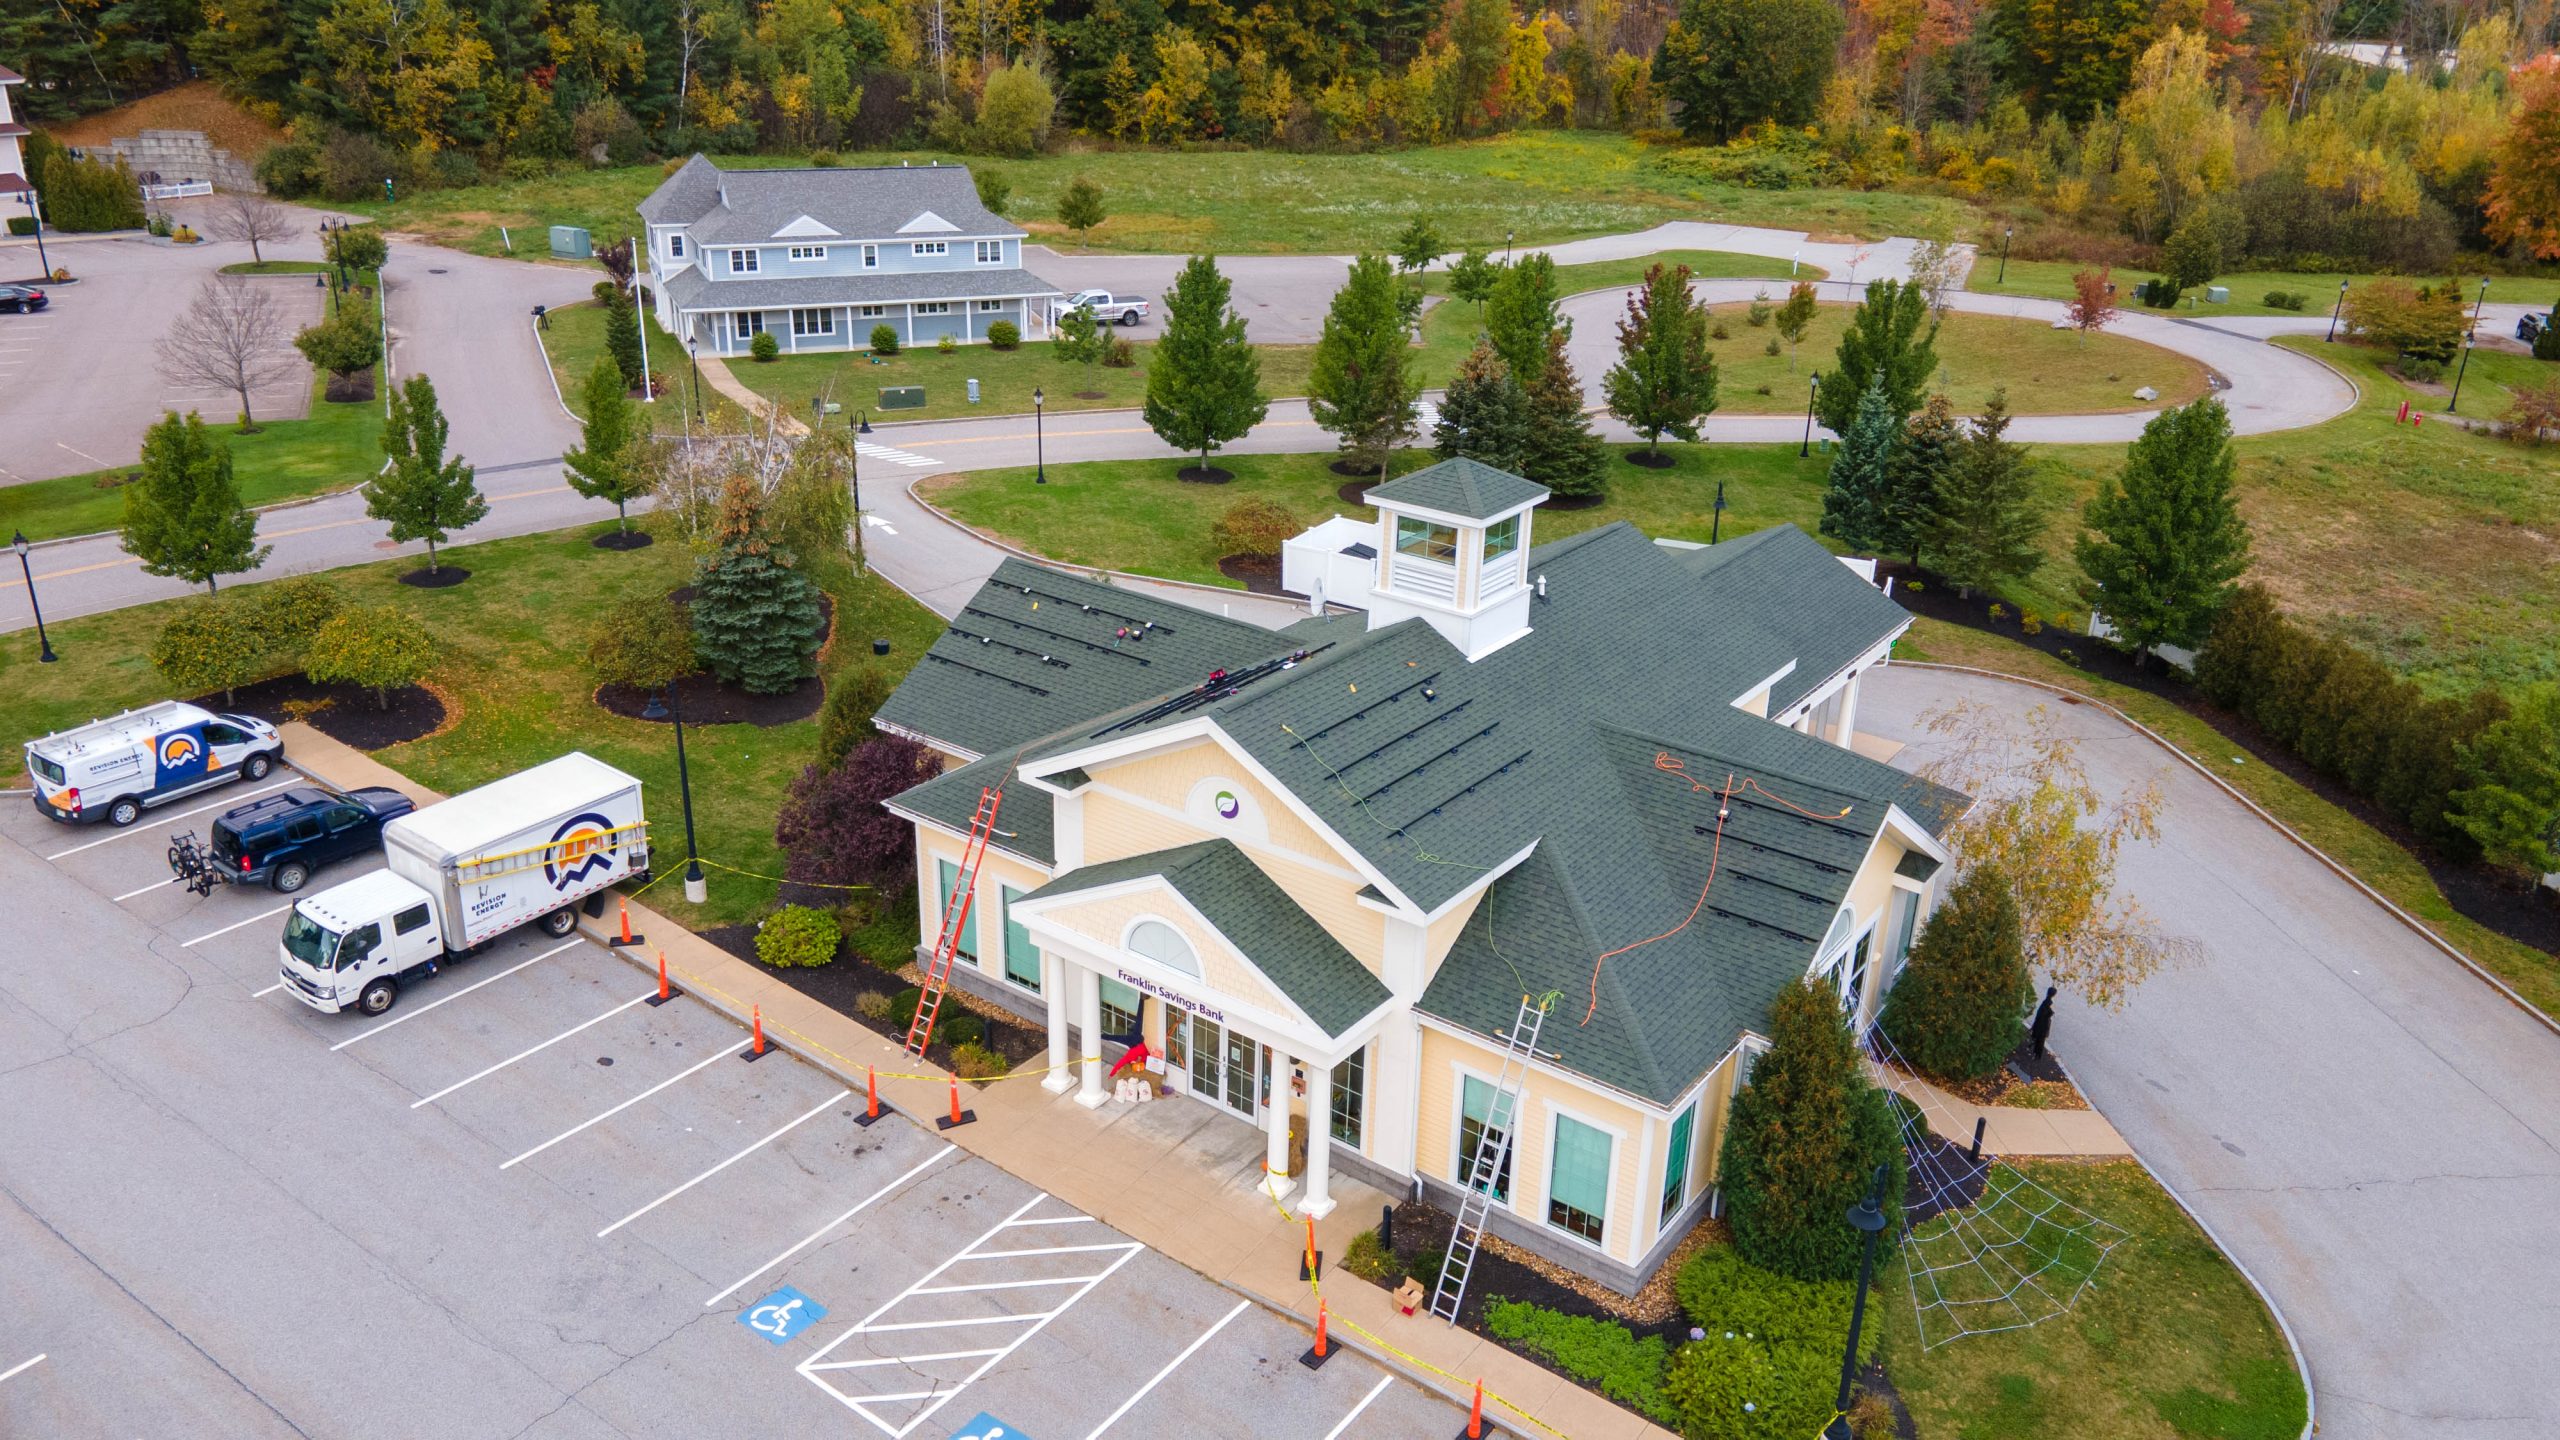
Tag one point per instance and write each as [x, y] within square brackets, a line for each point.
[380, 647]
[874, 1007]
[1119, 354]
[958, 1028]
[946, 345]
[86, 195]
[207, 644]
[1600, 1353]
[290, 168]
[832, 828]
[977, 1062]
[2424, 323]
[764, 347]
[287, 613]
[1004, 335]
[1804, 1141]
[798, 936]
[1772, 1343]
[2285, 300]
[26, 225]
[1254, 526]
[2546, 341]
[345, 341]
[358, 247]
[1366, 1256]
[648, 646]
[844, 721]
[902, 1007]
[2534, 415]
[884, 340]
[2420, 369]
[1960, 1007]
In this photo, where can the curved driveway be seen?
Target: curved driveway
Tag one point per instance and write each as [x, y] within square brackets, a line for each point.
[2369, 1129]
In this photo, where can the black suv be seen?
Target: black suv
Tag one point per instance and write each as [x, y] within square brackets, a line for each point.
[281, 839]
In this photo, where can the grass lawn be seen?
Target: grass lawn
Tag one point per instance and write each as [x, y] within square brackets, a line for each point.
[2051, 279]
[2046, 371]
[1449, 329]
[1133, 515]
[516, 673]
[1541, 186]
[575, 341]
[277, 267]
[1005, 379]
[2169, 1341]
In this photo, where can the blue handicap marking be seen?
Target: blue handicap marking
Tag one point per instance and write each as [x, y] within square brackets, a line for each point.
[988, 1427]
[784, 1313]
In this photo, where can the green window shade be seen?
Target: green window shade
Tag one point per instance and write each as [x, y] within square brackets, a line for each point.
[1675, 1170]
[1475, 1104]
[1021, 957]
[1578, 1187]
[968, 933]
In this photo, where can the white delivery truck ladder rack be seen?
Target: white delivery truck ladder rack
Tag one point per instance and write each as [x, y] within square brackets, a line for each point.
[1493, 1151]
[533, 857]
[955, 914]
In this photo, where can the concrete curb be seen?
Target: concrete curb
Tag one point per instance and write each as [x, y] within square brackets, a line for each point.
[2301, 1365]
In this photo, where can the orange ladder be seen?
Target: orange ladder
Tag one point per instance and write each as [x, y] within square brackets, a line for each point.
[955, 916]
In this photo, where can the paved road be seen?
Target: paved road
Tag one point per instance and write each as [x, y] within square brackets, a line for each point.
[2371, 1130]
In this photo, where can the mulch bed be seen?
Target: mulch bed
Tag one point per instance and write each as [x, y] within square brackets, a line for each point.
[1652, 459]
[1203, 475]
[1505, 1273]
[1093, 394]
[345, 713]
[2484, 897]
[624, 540]
[1355, 493]
[841, 986]
[705, 701]
[1259, 574]
[443, 577]
[1592, 501]
[348, 389]
[1941, 1162]
[1346, 468]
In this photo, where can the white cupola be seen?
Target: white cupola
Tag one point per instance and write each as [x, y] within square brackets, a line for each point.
[1453, 548]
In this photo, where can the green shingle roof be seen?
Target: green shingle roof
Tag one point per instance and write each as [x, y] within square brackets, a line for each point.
[1460, 487]
[1282, 941]
[1024, 822]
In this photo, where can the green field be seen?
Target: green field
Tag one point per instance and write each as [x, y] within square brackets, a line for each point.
[516, 673]
[1005, 379]
[1539, 186]
[2051, 279]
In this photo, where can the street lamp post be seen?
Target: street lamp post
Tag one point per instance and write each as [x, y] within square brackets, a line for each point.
[1039, 439]
[1715, 527]
[694, 890]
[1506, 246]
[2005, 233]
[2479, 305]
[28, 199]
[1812, 388]
[2334, 312]
[2464, 369]
[1868, 1216]
[44, 646]
[693, 353]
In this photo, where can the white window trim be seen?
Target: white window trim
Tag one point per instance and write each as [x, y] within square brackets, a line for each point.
[920, 249]
[1901, 885]
[982, 251]
[804, 254]
[675, 244]
[745, 260]
[1459, 1072]
[870, 257]
[1546, 1180]
[992, 307]
[932, 307]
[1133, 952]
[823, 326]
[875, 312]
[1005, 896]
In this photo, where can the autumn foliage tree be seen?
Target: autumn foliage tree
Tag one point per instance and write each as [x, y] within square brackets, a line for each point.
[2093, 301]
[832, 828]
[2523, 202]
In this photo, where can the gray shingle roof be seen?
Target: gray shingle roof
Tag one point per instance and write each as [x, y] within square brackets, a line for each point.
[692, 290]
[1460, 487]
[685, 196]
[874, 203]
[1283, 942]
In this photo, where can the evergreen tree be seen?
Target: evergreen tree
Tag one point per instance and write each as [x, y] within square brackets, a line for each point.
[1472, 277]
[1883, 339]
[2242, 650]
[1419, 243]
[1960, 1008]
[2165, 542]
[1204, 385]
[755, 617]
[184, 518]
[1664, 381]
[2510, 801]
[1080, 205]
[1361, 385]
[1802, 1142]
[1931, 445]
[423, 495]
[1857, 499]
[622, 338]
[1731, 64]
[1988, 523]
[1484, 415]
[1563, 452]
[607, 464]
[1521, 310]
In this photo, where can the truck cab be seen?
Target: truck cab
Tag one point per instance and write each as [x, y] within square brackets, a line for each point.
[350, 946]
[1108, 308]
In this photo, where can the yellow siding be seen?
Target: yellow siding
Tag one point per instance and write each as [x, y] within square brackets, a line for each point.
[1167, 780]
[1443, 1056]
[1103, 921]
[1757, 702]
[986, 913]
[1444, 933]
[1867, 897]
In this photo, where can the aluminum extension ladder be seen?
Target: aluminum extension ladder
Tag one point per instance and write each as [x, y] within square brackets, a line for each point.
[955, 916]
[1493, 1152]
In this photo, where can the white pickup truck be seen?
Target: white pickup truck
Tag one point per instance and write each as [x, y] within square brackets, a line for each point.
[1108, 308]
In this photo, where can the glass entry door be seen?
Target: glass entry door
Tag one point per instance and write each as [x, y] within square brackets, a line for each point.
[1225, 1067]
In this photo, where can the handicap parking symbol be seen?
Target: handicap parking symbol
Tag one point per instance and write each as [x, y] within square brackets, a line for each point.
[988, 1427]
[784, 1313]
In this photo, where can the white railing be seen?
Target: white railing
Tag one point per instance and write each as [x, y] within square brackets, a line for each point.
[178, 190]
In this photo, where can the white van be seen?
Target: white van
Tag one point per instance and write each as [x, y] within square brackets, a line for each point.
[115, 769]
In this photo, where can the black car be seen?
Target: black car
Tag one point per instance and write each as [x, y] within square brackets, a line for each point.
[22, 298]
[280, 839]
[2529, 329]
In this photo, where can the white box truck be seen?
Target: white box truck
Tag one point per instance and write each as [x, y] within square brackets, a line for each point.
[462, 872]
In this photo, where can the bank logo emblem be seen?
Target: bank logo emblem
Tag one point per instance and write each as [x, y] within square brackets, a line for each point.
[581, 846]
[1229, 807]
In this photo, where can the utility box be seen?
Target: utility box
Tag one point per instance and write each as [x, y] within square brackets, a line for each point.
[901, 397]
[973, 389]
[568, 242]
[2217, 294]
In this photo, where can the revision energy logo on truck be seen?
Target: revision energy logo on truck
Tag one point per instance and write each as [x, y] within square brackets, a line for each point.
[181, 756]
[583, 845]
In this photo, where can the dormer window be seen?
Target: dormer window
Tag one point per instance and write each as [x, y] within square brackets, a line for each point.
[675, 245]
[930, 247]
[744, 262]
[870, 257]
[1426, 541]
[1501, 538]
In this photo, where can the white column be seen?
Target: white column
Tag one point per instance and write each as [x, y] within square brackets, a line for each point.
[1089, 1091]
[1395, 1064]
[1848, 713]
[1275, 1150]
[1317, 1201]
[1053, 987]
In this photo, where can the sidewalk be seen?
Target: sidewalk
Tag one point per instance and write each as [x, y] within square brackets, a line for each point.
[2007, 1130]
[1118, 1173]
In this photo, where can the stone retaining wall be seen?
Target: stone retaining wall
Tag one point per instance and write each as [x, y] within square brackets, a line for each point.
[177, 155]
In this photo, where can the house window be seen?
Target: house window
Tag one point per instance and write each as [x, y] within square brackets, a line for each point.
[950, 874]
[930, 247]
[750, 323]
[1675, 1170]
[1164, 945]
[1578, 1183]
[813, 322]
[992, 306]
[1350, 1093]
[744, 262]
[1424, 540]
[1119, 1009]
[1906, 921]
[675, 245]
[870, 257]
[1475, 1118]
[1021, 957]
[1853, 976]
[1501, 539]
[934, 307]
[990, 252]
[875, 312]
[808, 252]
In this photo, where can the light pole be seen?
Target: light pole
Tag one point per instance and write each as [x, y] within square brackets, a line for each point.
[694, 889]
[693, 353]
[2334, 311]
[2464, 369]
[28, 199]
[2005, 233]
[18, 542]
[1715, 527]
[1812, 388]
[1506, 246]
[1868, 1216]
[1039, 439]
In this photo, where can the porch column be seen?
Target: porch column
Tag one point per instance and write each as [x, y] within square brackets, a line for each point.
[1089, 1091]
[1275, 1150]
[1053, 986]
[1848, 713]
[1317, 1201]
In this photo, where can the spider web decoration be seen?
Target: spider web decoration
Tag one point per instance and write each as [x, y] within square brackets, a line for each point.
[1985, 1247]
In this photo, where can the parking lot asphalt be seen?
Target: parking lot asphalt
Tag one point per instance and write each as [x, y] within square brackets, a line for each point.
[528, 1203]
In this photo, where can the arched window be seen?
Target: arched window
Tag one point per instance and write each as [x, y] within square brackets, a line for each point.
[1164, 945]
[1835, 942]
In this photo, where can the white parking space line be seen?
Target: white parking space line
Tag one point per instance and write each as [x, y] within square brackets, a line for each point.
[270, 990]
[534, 1050]
[811, 1114]
[1375, 1391]
[1043, 1250]
[227, 929]
[1022, 1327]
[236, 797]
[618, 1109]
[1174, 1364]
[456, 995]
[820, 1233]
[147, 889]
[20, 1366]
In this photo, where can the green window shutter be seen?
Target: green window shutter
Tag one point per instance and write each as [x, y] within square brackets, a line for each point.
[1021, 957]
[1675, 1171]
[1579, 1180]
[968, 933]
[1475, 1102]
